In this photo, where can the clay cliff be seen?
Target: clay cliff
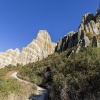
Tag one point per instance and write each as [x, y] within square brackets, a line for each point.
[88, 33]
[38, 49]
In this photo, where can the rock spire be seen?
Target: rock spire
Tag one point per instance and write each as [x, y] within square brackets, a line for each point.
[89, 28]
[38, 49]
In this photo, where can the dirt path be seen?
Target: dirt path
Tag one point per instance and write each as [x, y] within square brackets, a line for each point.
[8, 75]
[41, 94]
[14, 75]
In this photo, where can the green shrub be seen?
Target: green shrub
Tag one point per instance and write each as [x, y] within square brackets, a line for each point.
[8, 86]
[59, 73]
[90, 35]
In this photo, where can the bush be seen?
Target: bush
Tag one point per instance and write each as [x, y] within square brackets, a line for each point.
[59, 73]
[8, 86]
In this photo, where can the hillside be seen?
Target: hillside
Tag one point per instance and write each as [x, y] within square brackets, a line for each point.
[13, 89]
[67, 78]
[73, 71]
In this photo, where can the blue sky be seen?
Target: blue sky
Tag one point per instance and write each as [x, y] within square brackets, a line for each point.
[20, 20]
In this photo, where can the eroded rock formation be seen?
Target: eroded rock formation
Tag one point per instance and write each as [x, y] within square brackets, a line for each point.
[38, 49]
[90, 25]
[71, 40]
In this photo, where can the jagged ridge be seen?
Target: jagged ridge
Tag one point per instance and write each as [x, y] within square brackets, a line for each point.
[90, 25]
[38, 49]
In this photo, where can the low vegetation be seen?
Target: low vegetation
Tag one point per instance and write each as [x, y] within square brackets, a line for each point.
[66, 78]
[74, 78]
[90, 36]
[8, 86]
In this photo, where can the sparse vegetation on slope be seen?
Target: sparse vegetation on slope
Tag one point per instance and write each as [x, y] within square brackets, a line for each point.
[8, 86]
[12, 88]
[74, 78]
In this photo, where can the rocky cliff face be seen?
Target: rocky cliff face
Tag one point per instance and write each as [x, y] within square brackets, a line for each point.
[38, 49]
[90, 23]
[71, 40]
[89, 28]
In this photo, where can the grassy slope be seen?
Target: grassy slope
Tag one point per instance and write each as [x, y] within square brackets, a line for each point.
[9, 85]
[74, 78]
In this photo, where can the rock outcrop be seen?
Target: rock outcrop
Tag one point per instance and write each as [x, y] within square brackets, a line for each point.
[90, 25]
[9, 57]
[71, 40]
[38, 49]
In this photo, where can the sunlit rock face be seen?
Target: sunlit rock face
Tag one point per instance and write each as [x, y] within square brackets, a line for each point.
[72, 39]
[38, 49]
[9, 57]
[90, 24]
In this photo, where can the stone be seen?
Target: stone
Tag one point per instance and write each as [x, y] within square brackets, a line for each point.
[73, 39]
[86, 41]
[78, 49]
[70, 39]
[87, 23]
[59, 45]
[66, 42]
[38, 49]
[90, 24]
